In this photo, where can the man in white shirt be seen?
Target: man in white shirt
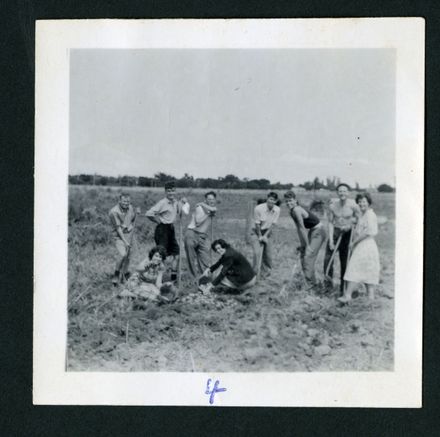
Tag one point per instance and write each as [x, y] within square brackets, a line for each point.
[265, 218]
[197, 239]
[164, 213]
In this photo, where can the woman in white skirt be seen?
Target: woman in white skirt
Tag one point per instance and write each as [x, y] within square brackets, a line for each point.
[363, 266]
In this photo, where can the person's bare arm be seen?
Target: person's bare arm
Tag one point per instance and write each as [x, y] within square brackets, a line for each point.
[153, 213]
[200, 214]
[302, 232]
[122, 236]
[159, 279]
[331, 228]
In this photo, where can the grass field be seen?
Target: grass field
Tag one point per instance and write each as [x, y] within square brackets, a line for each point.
[260, 330]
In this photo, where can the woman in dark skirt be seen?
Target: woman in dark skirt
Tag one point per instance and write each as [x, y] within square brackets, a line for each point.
[236, 273]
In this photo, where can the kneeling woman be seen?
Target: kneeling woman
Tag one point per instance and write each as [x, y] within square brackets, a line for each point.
[363, 266]
[147, 282]
[236, 272]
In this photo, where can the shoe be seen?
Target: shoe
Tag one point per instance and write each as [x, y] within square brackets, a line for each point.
[327, 287]
[344, 299]
[126, 293]
[115, 280]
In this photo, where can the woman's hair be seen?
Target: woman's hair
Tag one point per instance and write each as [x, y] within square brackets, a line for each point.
[364, 196]
[157, 249]
[289, 195]
[221, 243]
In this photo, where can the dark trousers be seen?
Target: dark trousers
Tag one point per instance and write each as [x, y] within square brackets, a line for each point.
[343, 253]
[165, 236]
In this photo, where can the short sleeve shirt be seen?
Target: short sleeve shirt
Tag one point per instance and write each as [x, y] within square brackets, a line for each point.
[150, 272]
[167, 210]
[266, 217]
[200, 220]
[342, 215]
[367, 224]
[124, 219]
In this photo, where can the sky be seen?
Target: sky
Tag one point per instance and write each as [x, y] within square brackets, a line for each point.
[286, 115]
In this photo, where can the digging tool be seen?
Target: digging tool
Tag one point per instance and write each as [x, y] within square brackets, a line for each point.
[179, 267]
[287, 283]
[249, 222]
[212, 238]
[126, 260]
[260, 260]
[350, 249]
[338, 242]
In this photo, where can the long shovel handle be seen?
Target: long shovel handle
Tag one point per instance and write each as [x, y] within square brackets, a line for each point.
[212, 239]
[338, 242]
[124, 264]
[349, 254]
[260, 260]
[179, 274]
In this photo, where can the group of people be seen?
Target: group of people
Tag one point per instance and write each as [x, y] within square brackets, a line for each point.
[350, 232]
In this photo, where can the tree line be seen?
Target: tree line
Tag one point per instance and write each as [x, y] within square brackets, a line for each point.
[227, 182]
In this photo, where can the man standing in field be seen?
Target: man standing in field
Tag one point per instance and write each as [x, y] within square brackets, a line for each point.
[197, 242]
[342, 215]
[265, 218]
[122, 217]
[164, 213]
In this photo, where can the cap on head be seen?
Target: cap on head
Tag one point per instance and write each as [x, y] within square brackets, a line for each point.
[343, 184]
[289, 195]
[273, 195]
[170, 185]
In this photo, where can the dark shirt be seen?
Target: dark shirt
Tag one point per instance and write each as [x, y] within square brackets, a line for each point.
[310, 222]
[235, 267]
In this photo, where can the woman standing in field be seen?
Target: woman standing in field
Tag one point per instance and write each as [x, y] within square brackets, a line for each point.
[363, 266]
[236, 272]
[311, 233]
[147, 281]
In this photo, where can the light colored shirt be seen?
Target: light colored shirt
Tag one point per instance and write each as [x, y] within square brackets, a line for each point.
[167, 210]
[367, 224]
[266, 217]
[121, 218]
[342, 215]
[200, 220]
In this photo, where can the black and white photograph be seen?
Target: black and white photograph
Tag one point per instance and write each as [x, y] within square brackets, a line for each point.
[232, 209]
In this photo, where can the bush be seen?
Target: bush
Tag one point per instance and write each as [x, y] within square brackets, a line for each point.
[385, 188]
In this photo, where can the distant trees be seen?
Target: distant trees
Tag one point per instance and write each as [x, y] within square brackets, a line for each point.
[229, 181]
[385, 188]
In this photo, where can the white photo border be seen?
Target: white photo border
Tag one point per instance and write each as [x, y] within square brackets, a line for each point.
[53, 385]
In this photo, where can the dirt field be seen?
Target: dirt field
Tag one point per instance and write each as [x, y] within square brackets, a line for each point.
[260, 330]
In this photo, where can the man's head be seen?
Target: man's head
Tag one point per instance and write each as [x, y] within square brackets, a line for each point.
[211, 198]
[272, 199]
[124, 201]
[342, 190]
[290, 199]
[170, 190]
